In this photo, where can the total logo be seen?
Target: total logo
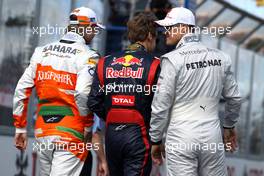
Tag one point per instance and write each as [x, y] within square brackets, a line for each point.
[127, 61]
[123, 100]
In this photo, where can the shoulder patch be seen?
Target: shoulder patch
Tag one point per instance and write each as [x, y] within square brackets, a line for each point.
[92, 61]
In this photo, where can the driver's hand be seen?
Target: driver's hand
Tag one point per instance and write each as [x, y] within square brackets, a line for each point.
[230, 140]
[21, 141]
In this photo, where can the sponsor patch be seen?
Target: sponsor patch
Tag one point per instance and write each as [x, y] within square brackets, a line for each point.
[46, 74]
[127, 61]
[203, 64]
[91, 61]
[49, 75]
[123, 100]
[62, 49]
[125, 72]
[91, 71]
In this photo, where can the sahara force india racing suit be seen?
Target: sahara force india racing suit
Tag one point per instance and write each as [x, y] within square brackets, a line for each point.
[62, 73]
[192, 80]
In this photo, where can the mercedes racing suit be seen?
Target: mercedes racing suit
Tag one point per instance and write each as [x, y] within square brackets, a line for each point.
[193, 78]
[122, 94]
[62, 74]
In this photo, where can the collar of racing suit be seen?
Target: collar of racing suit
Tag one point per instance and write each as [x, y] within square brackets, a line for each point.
[136, 47]
[188, 38]
[74, 37]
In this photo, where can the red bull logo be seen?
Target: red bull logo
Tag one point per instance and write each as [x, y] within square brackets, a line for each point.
[124, 73]
[127, 61]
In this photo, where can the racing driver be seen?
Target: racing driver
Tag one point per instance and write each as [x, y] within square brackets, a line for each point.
[62, 74]
[122, 93]
[192, 80]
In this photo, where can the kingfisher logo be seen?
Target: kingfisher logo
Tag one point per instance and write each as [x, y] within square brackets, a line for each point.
[57, 77]
[124, 73]
[127, 61]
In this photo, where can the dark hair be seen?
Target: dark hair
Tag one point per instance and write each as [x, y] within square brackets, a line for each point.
[160, 4]
[192, 28]
[73, 17]
[140, 26]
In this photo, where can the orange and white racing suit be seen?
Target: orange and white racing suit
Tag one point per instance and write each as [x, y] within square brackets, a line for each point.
[62, 74]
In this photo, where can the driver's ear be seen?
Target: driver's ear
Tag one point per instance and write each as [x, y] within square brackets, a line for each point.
[150, 36]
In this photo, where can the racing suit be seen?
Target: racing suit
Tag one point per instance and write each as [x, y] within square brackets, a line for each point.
[192, 80]
[122, 94]
[62, 74]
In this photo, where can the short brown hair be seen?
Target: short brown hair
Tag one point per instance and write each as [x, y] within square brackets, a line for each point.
[140, 26]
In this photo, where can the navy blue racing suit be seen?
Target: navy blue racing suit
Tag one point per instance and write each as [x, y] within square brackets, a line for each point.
[122, 92]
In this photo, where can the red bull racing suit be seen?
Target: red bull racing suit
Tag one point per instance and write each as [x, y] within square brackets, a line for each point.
[192, 80]
[121, 94]
[62, 74]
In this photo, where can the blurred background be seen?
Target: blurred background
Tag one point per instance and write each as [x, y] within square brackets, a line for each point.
[26, 24]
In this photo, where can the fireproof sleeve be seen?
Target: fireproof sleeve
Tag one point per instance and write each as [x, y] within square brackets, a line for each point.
[162, 101]
[96, 97]
[232, 96]
[22, 93]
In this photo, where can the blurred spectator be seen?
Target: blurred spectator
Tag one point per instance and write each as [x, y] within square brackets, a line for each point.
[159, 7]
[253, 43]
[255, 143]
[120, 10]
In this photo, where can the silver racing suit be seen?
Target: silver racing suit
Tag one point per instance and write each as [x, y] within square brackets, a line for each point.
[193, 78]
